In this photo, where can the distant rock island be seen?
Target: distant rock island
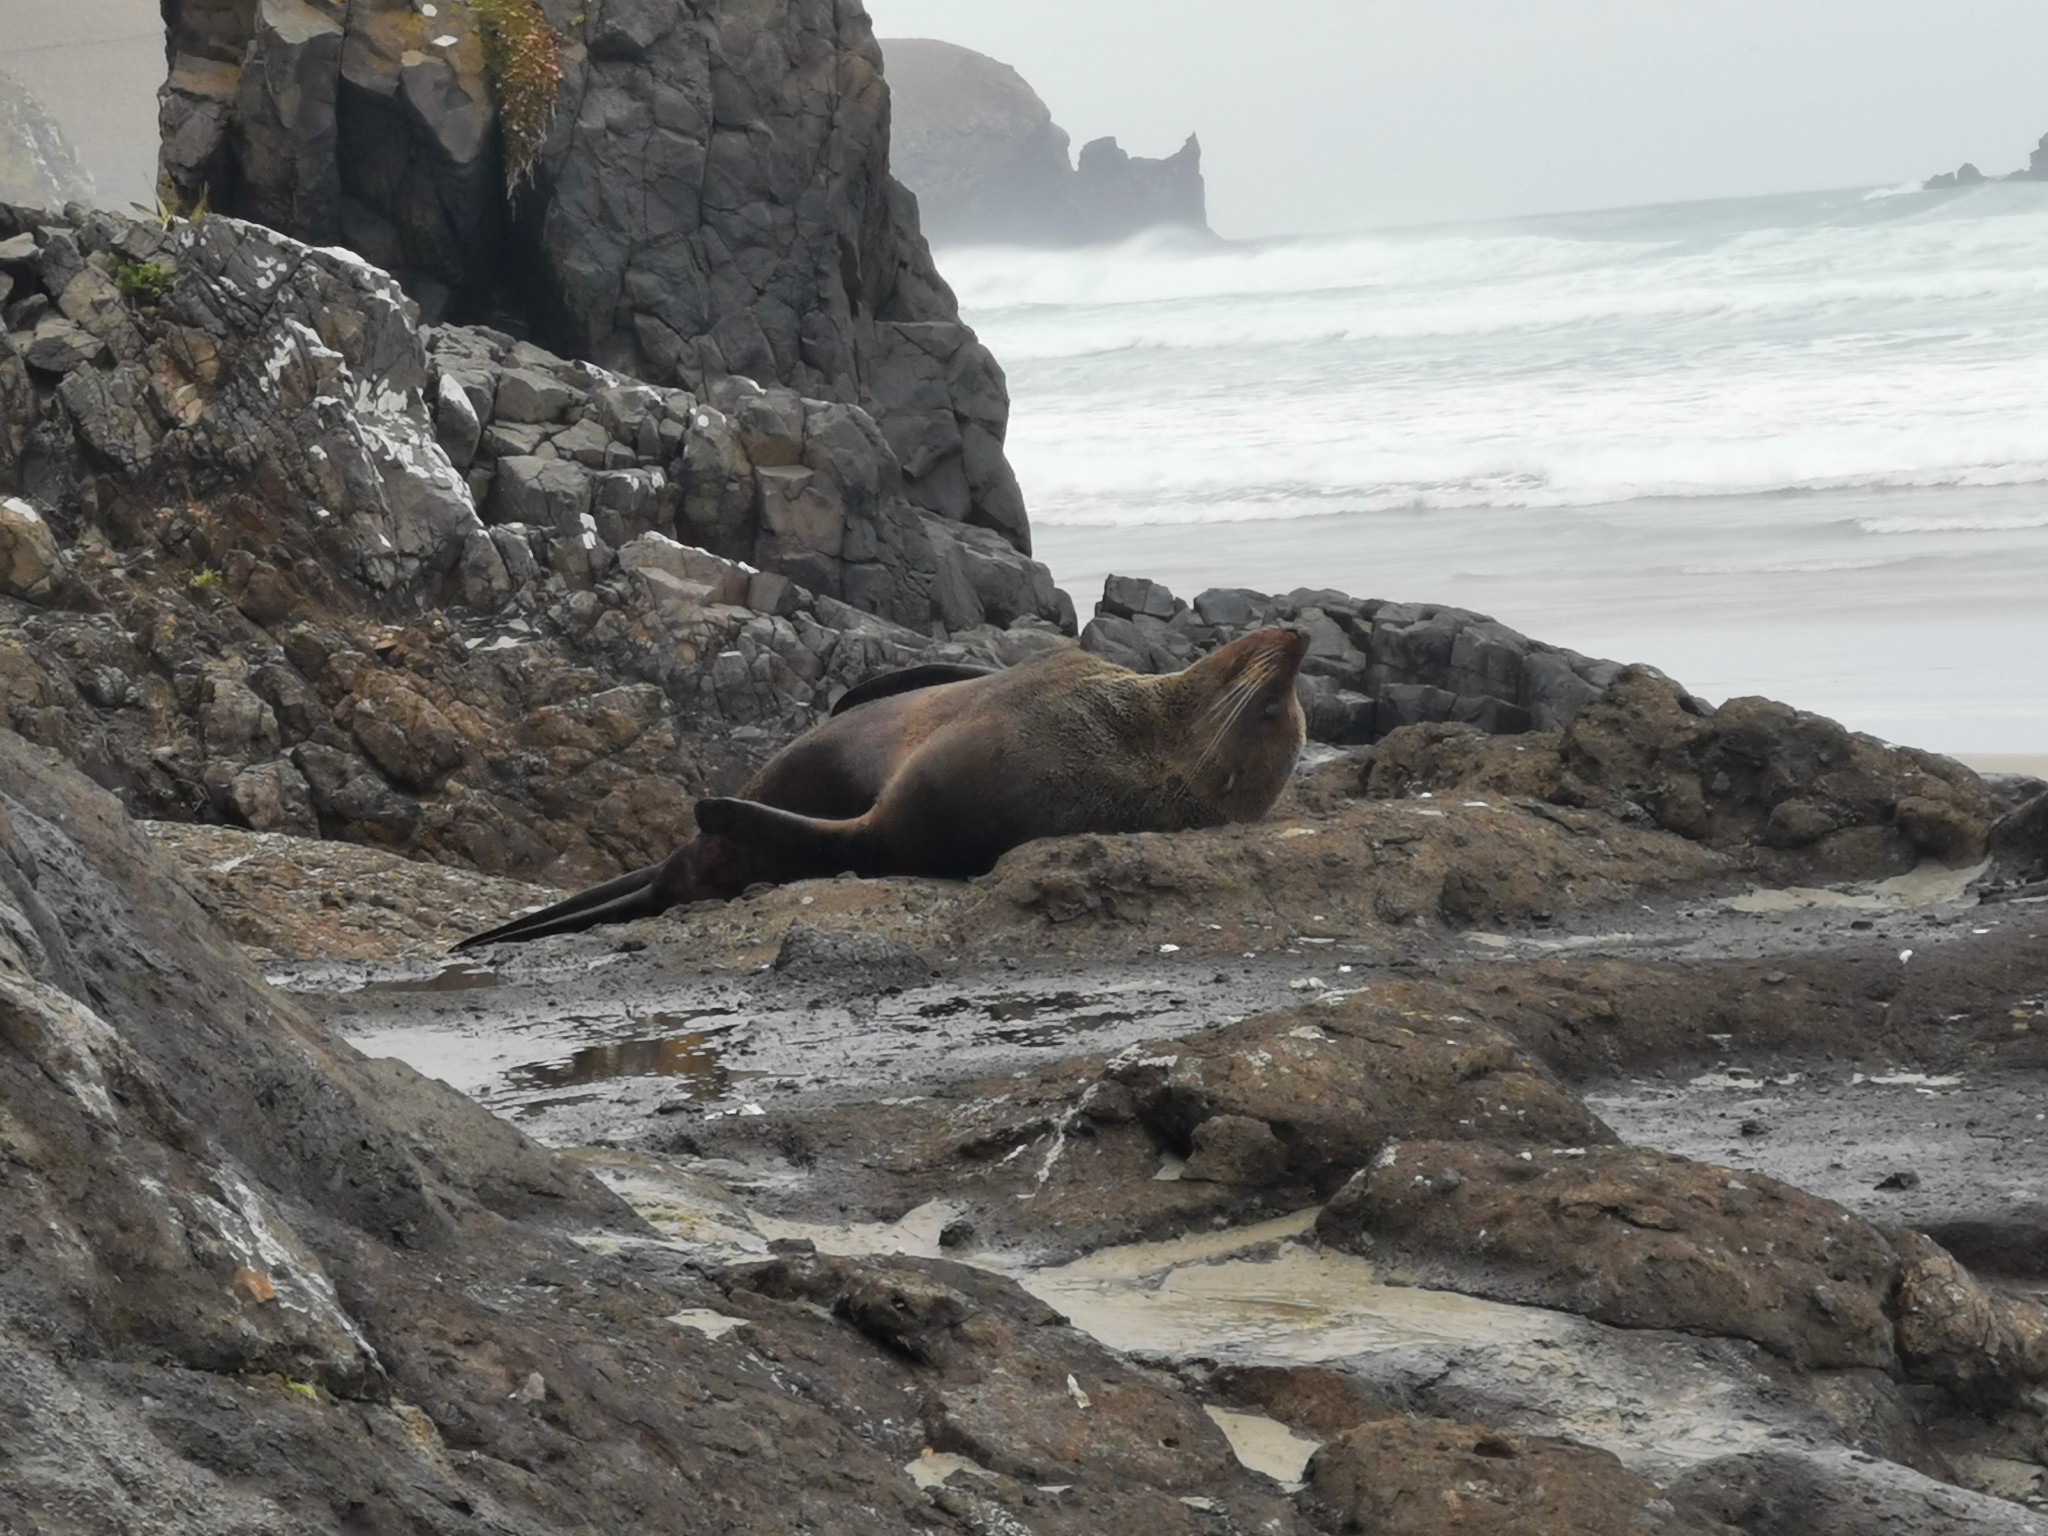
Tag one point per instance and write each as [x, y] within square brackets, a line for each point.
[989, 165]
[1967, 175]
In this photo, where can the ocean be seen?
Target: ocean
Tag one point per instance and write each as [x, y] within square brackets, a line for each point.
[1792, 445]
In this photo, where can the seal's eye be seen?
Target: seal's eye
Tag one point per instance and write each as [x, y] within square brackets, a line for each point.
[1274, 710]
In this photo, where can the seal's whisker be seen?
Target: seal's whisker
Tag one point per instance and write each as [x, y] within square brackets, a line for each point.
[1220, 715]
[1224, 712]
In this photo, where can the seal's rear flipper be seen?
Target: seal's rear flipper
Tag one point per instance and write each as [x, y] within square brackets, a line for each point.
[908, 680]
[615, 901]
[807, 842]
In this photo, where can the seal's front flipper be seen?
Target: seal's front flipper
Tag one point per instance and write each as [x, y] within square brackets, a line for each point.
[814, 846]
[615, 901]
[908, 680]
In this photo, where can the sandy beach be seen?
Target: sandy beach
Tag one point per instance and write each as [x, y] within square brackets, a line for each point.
[1923, 638]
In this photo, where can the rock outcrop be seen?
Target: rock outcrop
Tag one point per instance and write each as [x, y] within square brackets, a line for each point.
[258, 1282]
[243, 577]
[1372, 667]
[37, 164]
[711, 198]
[1117, 193]
[1449, 700]
[1967, 174]
[990, 166]
[1793, 794]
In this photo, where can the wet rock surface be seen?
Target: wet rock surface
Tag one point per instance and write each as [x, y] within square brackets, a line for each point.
[1187, 1112]
[1577, 1105]
[1416, 1476]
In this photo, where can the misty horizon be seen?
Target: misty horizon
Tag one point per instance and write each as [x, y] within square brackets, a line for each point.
[1329, 120]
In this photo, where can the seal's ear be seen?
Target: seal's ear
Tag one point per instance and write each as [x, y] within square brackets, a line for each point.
[908, 680]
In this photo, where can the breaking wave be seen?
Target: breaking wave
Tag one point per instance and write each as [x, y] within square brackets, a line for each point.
[1790, 344]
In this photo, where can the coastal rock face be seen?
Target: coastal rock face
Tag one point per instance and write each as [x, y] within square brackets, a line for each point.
[1792, 793]
[990, 166]
[37, 165]
[1967, 174]
[1117, 193]
[1964, 175]
[268, 556]
[1644, 1239]
[1372, 666]
[2037, 163]
[972, 139]
[1415, 1477]
[711, 199]
[258, 1282]
[1631, 1237]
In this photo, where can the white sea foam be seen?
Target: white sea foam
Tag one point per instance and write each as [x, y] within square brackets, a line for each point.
[1802, 344]
[1944, 525]
[1788, 445]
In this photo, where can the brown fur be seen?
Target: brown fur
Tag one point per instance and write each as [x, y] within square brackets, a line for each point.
[944, 780]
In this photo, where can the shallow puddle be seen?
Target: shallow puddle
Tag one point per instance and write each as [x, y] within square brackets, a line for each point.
[1255, 1294]
[454, 978]
[693, 1056]
[1931, 885]
[1266, 1445]
[1073, 1011]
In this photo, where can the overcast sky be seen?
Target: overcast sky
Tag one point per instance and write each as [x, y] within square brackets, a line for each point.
[1332, 114]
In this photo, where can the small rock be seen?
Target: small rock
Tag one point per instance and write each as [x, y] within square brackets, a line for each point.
[1904, 1178]
[30, 560]
[1235, 1149]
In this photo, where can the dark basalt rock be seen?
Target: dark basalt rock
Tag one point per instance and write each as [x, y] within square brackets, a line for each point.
[271, 554]
[1419, 1477]
[1372, 667]
[1967, 175]
[1964, 175]
[1645, 1239]
[713, 199]
[2019, 843]
[257, 1282]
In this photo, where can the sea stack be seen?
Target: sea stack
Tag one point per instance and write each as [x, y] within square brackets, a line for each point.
[989, 165]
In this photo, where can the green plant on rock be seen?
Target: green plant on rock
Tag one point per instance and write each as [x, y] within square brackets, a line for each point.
[143, 282]
[167, 212]
[524, 56]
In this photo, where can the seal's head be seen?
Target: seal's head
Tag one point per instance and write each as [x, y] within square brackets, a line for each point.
[1244, 724]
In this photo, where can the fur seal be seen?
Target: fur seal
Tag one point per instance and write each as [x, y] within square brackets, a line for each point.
[940, 770]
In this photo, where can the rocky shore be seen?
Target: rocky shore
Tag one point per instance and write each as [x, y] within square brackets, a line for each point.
[1578, 1107]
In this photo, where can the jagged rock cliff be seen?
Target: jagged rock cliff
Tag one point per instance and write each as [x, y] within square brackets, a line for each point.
[270, 554]
[712, 198]
[988, 163]
[37, 164]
